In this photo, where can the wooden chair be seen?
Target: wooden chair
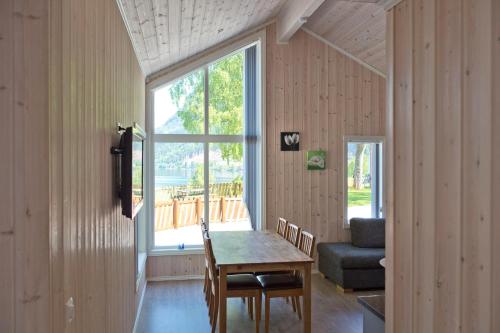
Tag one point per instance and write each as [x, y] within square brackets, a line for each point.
[206, 284]
[286, 285]
[281, 227]
[292, 233]
[305, 244]
[238, 285]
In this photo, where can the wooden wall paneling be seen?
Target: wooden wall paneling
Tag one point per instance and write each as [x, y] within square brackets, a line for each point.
[7, 168]
[389, 162]
[447, 113]
[332, 200]
[403, 131]
[341, 82]
[95, 82]
[314, 72]
[57, 283]
[24, 227]
[495, 214]
[424, 162]
[323, 176]
[448, 152]
[159, 267]
[327, 101]
[477, 23]
[287, 126]
[298, 111]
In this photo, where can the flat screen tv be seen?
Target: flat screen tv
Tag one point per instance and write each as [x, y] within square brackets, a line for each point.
[132, 170]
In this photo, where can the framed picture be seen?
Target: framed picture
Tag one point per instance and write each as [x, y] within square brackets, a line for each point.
[315, 160]
[290, 141]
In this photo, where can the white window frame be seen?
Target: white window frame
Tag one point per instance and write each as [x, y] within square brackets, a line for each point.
[358, 139]
[259, 40]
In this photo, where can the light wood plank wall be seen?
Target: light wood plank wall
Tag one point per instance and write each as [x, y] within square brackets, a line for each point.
[24, 168]
[313, 89]
[191, 265]
[444, 162]
[96, 82]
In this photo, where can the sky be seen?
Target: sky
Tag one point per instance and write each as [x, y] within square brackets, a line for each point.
[164, 107]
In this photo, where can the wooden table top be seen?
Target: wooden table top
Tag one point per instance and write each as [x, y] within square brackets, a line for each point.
[254, 247]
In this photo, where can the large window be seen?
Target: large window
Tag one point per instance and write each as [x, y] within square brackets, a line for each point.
[202, 155]
[363, 178]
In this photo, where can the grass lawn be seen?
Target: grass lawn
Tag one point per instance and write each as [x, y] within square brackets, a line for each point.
[359, 197]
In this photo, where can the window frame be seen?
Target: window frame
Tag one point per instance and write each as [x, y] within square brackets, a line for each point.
[361, 139]
[178, 72]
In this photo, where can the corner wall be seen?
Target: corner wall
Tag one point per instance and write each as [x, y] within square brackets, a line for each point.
[443, 118]
[68, 73]
[315, 90]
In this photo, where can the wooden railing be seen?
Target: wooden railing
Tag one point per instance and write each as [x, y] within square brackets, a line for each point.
[178, 213]
[186, 191]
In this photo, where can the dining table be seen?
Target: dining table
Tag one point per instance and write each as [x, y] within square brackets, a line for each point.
[258, 251]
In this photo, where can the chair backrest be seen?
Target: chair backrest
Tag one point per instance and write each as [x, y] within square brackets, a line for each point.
[292, 233]
[306, 243]
[203, 226]
[210, 261]
[281, 227]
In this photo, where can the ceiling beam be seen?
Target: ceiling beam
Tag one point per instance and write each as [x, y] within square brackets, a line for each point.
[292, 16]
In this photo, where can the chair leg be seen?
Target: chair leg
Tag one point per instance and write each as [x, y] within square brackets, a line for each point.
[216, 313]
[293, 304]
[297, 301]
[250, 307]
[258, 310]
[210, 305]
[206, 280]
[267, 310]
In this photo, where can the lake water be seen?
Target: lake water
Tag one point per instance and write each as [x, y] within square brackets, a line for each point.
[179, 177]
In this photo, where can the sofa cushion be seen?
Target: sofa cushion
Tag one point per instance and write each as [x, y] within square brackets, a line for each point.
[347, 256]
[368, 232]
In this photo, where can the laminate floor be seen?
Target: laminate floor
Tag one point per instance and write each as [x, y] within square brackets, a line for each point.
[179, 306]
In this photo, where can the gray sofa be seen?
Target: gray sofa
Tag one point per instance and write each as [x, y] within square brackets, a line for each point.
[355, 265]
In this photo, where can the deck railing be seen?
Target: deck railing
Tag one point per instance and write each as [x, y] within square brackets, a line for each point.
[179, 207]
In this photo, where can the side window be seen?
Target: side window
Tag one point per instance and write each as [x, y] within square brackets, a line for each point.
[363, 183]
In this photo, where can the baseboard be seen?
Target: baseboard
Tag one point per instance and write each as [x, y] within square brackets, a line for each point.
[175, 278]
[139, 308]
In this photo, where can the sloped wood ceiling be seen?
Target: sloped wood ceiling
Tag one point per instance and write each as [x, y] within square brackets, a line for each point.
[167, 31]
[356, 27]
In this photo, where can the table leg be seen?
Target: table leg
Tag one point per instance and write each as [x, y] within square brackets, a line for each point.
[307, 298]
[222, 299]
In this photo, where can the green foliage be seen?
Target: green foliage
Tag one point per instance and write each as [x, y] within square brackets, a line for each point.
[198, 176]
[238, 180]
[188, 96]
[225, 102]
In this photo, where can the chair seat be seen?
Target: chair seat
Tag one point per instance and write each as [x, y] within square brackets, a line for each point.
[242, 281]
[279, 281]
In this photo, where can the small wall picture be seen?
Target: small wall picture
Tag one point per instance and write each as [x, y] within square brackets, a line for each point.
[315, 160]
[290, 141]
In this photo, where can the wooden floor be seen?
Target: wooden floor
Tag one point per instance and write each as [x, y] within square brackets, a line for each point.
[179, 306]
